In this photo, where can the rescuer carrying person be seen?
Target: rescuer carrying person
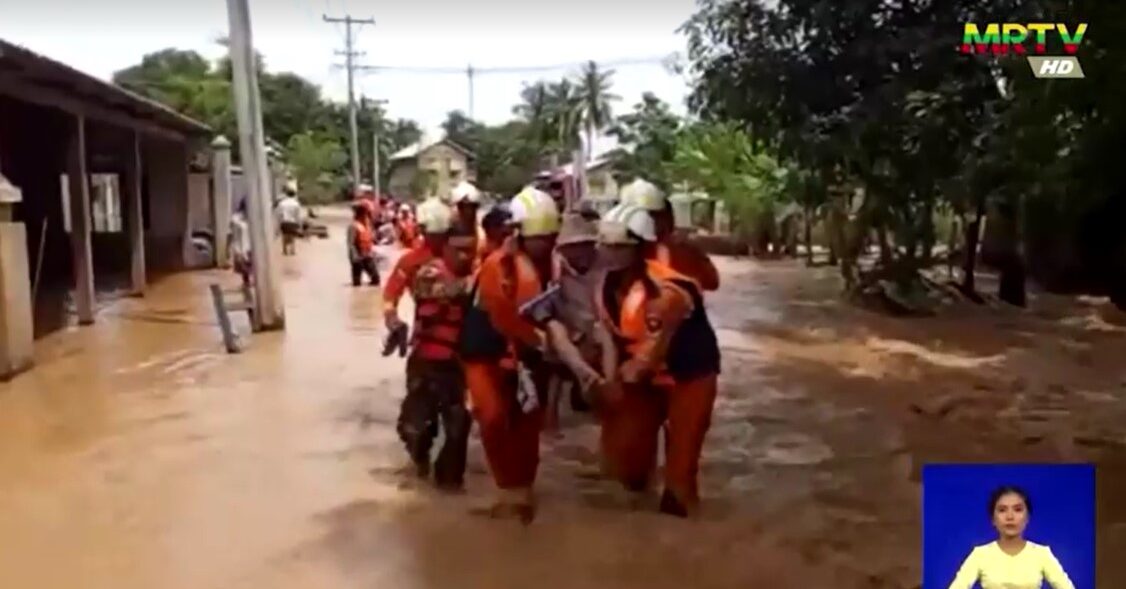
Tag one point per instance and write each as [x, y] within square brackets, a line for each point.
[503, 353]
[670, 362]
[436, 277]
[672, 250]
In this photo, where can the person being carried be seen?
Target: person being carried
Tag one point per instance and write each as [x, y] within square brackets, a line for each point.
[580, 348]
[361, 246]
[435, 273]
[671, 361]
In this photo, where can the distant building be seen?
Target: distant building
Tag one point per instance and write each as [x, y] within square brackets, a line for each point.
[445, 162]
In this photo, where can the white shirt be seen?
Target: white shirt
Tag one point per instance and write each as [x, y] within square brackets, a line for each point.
[240, 236]
[289, 210]
[1028, 569]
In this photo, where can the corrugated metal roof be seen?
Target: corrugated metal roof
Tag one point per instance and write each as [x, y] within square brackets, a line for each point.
[37, 70]
[412, 151]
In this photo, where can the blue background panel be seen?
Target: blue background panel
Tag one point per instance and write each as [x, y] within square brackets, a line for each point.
[956, 515]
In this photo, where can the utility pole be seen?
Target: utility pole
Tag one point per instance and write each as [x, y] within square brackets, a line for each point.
[349, 61]
[469, 75]
[269, 307]
[375, 150]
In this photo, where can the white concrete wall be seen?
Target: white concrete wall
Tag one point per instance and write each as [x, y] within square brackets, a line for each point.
[16, 328]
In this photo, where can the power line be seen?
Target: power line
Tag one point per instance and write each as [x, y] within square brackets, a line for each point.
[350, 63]
[457, 70]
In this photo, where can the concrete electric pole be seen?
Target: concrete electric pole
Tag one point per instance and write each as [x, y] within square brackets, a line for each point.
[350, 65]
[375, 149]
[269, 305]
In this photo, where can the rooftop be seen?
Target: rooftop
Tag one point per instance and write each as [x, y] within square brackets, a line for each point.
[30, 77]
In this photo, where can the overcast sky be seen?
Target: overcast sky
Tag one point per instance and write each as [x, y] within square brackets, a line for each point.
[100, 37]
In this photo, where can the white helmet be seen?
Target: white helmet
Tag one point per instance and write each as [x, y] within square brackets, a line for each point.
[291, 186]
[644, 194]
[626, 224]
[535, 212]
[434, 216]
[465, 192]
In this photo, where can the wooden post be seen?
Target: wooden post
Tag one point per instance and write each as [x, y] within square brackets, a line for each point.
[134, 178]
[82, 261]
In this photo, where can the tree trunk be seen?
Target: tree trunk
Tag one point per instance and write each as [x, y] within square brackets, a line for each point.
[969, 260]
[951, 245]
[885, 245]
[808, 220]
[1012, 280]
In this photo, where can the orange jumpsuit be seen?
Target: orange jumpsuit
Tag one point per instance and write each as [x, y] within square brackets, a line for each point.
[505, 281]
[668, 377]
[689, 260]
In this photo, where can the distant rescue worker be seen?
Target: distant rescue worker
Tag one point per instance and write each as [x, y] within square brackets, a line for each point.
[361, 246]
[406, 228]
[671, 249]
[503, 353]
[670, 362]
[290, 216]
[436, 276]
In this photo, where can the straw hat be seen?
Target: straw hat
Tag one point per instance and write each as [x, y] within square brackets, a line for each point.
[577, 229]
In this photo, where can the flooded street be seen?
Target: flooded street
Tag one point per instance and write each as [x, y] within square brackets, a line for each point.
[138, 455]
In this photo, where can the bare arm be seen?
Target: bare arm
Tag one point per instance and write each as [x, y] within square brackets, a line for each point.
[559, 339]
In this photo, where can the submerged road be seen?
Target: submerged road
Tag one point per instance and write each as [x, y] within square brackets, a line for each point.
[138, 455]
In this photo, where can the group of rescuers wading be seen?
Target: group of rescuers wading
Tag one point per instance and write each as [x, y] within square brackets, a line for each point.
[519, 304]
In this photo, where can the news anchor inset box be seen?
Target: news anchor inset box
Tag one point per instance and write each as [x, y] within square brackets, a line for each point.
[977, 517]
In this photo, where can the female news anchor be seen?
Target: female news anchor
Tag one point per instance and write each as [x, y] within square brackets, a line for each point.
[1011, 562]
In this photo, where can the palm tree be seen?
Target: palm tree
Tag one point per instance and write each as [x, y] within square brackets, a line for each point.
[551, 111]
[565, 108]
[595, 96]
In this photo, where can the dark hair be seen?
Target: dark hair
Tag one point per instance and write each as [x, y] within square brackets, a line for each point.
[1003, 490]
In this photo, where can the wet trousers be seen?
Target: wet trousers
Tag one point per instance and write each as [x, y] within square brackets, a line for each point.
[365, 266]
[436, 394]
[511, 438]
[631, 424]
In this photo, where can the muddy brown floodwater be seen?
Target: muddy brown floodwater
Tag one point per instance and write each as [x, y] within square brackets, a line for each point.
[138, 455]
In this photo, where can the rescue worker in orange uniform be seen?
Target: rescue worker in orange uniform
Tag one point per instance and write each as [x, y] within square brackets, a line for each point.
[669, 362]
[361, 246]
[671, 249]
[466, 200]
[437, 281]
[503, 353]
[406, 228]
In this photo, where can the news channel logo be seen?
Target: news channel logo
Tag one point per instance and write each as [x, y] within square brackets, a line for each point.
[1008, 525]
[1036, 41]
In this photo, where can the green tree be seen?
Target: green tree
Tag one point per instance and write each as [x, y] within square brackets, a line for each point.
[595, 98]
[647, 139]
[726, 163]
[316, 160]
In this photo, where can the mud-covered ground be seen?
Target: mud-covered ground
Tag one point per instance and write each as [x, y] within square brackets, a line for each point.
[139, 455]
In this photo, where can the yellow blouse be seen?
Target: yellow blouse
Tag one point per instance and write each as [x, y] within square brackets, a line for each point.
[995, 569]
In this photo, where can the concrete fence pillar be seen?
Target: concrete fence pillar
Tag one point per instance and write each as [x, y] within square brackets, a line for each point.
[221, 197]
[16, 324]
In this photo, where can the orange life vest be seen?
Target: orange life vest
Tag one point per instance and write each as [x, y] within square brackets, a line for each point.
[438, 315]
[693, 351]
[365, 238]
